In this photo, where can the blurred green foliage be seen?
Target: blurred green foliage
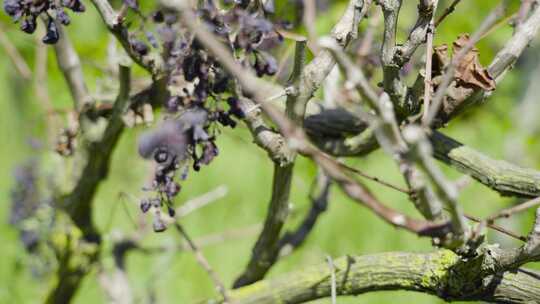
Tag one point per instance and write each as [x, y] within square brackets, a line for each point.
[175, 277]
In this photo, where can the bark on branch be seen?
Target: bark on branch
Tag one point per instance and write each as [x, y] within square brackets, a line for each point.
[305, 80]
[499, 175]
[441, 274]
[75, 260]
[151, 62]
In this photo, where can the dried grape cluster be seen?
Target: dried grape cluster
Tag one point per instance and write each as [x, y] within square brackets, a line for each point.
[27, 12]
[171, 145]
[203, 95]
[194, 75]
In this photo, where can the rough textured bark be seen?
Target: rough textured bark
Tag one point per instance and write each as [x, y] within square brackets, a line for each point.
[499, 175]
[305, 80]
[82, 246]
[442, 274]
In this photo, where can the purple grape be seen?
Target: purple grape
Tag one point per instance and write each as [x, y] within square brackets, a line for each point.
[52, 33]
[158, 17]
[200, 84]
[169, 135]
[145, 205]
[28, 25]
[139, 47]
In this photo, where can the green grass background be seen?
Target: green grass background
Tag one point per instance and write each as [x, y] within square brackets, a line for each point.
[175, 277]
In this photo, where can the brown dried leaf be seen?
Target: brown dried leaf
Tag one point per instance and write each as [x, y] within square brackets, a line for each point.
[440, 59]
[469, 71]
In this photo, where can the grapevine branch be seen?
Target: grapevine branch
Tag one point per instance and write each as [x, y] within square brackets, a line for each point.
[441, 273]
[114, 22]
[494, 273]
[96, 155]
[293, 134]
[305, 80]
[499, 175]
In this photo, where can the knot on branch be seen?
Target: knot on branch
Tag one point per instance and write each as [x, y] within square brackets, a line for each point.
[473, 277]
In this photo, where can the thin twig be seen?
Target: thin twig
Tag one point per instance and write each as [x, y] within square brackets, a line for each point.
[366, 45]
[202, 242]
[514, 47]
[203, 262]
[375, 179]
[332, 279]
[41, 87]
[40, 82]
[531, 249]
[228, 235]
[524, 10]
[310, 14]
[122, 196]
[283, 63]
[201, 201]
[450, 9]
[70, 65]
[305, 79]
[497, 228]
[421, 151]
[387, 133]
[429, 57]
[319, 194]
[266, 249]
[506, 213]
[18, 60]
[355, 75]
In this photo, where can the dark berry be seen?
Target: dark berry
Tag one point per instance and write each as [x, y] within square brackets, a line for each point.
[161, 155]
[145, 205]
[189, 67]
[52, 33]
[225, 119]
[139, 47]
[221, 82]
[12, 8]
[158, 17]
[235, 109]
[74, 5]
[171, 211]
[28, 25]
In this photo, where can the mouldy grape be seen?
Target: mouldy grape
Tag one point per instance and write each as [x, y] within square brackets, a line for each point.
[27, 13]
[202, 95]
